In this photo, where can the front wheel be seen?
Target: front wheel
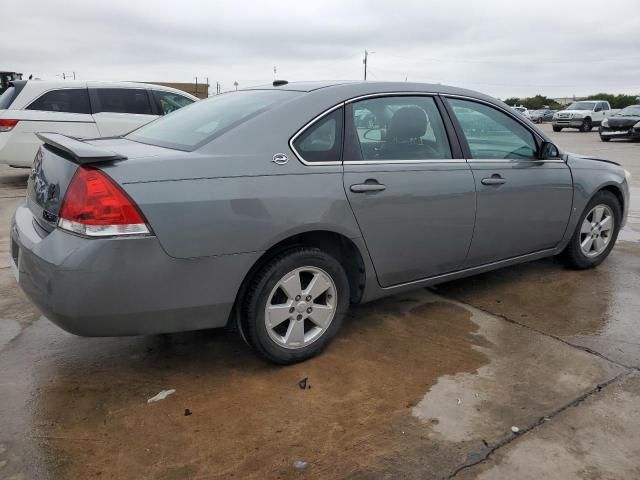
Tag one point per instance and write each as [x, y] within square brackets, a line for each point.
[557, 129]
[587, 125]
[605, 139]
[595, 234]
[295, 305]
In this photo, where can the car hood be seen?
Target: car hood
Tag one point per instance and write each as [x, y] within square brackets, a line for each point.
[625, 122]
[574, 111]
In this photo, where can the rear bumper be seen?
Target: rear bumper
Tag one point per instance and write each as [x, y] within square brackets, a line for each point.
[123, 286]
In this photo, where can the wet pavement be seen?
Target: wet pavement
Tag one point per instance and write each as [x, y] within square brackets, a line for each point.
[427, 384]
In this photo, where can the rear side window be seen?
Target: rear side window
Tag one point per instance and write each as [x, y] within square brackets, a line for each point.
[170, 102]
[123, 100]
[201, 122]
[492, 134]
[68, 100]
[322, 142]
[399, 128]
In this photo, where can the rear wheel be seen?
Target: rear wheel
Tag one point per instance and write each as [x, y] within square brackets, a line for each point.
[595, 234]
[295, 305]
[587, 125]
[557, 129]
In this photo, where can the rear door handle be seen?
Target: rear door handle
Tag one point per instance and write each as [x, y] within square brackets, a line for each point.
[367, 187]
[494, 179]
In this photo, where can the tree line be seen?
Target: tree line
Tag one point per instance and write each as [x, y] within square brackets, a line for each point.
[540, 101]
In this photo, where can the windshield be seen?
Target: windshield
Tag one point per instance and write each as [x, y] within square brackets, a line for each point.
[581, 106]
[632, 111]
[199, 123]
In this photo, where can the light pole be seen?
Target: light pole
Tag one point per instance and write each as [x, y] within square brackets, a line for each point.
[235, 84]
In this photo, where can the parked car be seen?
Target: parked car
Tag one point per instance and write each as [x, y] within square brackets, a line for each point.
[274, 208]
[623, 124]
[522, 111]
[539, 116]
[77, 109]
[582, 115]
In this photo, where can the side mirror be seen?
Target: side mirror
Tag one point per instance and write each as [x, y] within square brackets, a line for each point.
[548, 150]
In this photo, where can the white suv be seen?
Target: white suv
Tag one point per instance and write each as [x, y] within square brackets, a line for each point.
[77, 109]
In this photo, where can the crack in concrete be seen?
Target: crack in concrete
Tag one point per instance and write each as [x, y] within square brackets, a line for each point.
[482, 456]
[555, 337]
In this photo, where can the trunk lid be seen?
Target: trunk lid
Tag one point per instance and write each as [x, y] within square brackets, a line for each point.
[53, 169]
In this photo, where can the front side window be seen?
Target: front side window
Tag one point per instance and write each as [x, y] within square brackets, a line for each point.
[203, 121]
[123, 100]
[170, 102]
[491, 134]
[67, 100]
[399, 128]
[322, 142]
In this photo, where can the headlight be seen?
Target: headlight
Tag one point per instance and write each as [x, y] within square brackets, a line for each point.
[637, 126]
[627, 174]
[555, 116]
[605, 122]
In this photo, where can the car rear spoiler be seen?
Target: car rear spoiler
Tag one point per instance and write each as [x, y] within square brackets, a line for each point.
[79, 151]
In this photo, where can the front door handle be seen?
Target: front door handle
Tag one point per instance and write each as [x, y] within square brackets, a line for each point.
[367, 187]
[494, 179]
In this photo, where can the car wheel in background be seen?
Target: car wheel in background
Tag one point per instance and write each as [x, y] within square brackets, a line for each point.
[604, 139]
[294, 305]
[557, 129]
[595, 234]
[587, 125]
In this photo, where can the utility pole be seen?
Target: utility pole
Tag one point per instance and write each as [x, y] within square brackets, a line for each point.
[235, 84]
[196, 93]
[366, 55]
[274, 72]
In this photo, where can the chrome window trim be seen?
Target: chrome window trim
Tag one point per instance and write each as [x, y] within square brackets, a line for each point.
[403, 162]
[513, 160]
[304, 128]
[391, 94]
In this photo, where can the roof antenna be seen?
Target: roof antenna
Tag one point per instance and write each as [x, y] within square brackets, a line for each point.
[279, 83]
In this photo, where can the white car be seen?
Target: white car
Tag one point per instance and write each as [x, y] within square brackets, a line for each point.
[77, 109]
[524, 111]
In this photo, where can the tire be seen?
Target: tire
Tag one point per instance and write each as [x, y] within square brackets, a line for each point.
[557, 129]
[587, 125]
[604, 139]
[278, 343]
[574, 255]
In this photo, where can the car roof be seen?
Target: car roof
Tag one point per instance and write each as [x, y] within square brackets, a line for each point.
[355, 87]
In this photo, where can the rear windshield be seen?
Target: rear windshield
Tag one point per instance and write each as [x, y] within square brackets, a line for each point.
[7, 97]
[199, 123]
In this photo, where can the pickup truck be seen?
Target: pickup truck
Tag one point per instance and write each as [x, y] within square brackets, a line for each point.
[583, 115]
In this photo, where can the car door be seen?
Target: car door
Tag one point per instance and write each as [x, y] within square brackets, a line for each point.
[62, 110]
[523, 202]
[117, 111]
[411, 192]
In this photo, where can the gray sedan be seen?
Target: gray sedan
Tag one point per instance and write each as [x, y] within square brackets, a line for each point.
[275, 208]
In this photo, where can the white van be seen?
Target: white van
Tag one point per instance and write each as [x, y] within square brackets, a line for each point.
[77, 109]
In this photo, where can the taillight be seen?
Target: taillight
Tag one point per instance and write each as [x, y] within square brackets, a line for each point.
[96, 206]
[7, 124]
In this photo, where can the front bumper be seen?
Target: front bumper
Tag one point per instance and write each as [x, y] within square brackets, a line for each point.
[613, 132]
[568, 123]
[121, 286]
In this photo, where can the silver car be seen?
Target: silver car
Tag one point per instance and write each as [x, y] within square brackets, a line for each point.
[275, 208]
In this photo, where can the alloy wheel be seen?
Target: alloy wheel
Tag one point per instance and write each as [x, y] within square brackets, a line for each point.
[300, 307]
[596, 230]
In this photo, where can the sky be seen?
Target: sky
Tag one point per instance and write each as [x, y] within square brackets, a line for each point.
[504, 48]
